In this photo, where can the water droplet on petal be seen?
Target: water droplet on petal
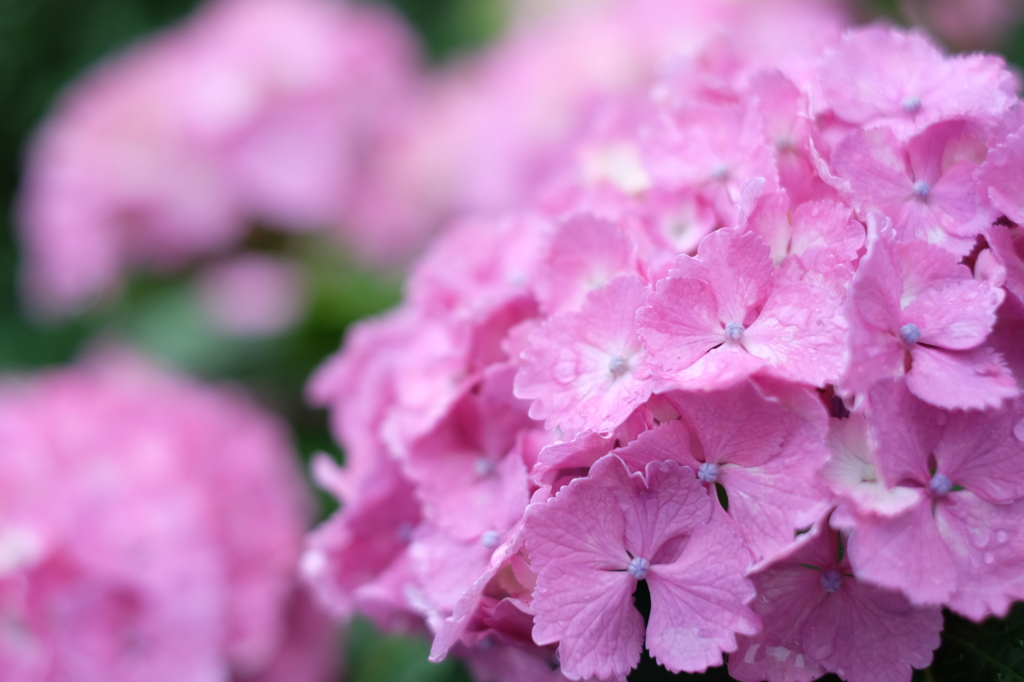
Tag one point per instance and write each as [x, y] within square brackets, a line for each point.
[1001, 536]
[988, 558]
[922, 189]
[490, 539]
[1018, 430]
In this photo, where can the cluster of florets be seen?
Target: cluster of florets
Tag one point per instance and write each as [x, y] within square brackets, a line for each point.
[251, 111]
[149, 530]
[755, 344]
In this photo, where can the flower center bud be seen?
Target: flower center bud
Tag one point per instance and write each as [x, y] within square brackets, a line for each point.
[922, 189]
[708, 472]
[734, 331]
[483, 466]
[638, 567]
[940, 485]
[910, 334]
[911, 105]
[490, 539]
[618, 366]
[831, 580]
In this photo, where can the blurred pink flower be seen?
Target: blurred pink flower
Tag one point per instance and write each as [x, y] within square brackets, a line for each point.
[251, 110]
[967, 24]
[252, 294]
[150, 530]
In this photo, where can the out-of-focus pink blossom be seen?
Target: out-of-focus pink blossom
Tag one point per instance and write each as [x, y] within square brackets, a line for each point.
[250, 111]
[492, 126]
[967, 24]
[150, 531]
[252, 295]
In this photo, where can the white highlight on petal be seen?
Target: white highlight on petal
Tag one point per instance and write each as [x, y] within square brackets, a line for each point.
[313, 563]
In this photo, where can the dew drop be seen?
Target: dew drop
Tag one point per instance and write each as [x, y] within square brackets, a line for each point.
[490, 539]
[1001, 536]
[988, 558]
[922, 189]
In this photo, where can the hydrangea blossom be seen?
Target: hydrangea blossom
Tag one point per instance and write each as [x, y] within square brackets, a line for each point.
[128, 545]
[251, 110]
[774, 299]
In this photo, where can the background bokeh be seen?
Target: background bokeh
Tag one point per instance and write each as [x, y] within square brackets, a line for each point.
[45, 44]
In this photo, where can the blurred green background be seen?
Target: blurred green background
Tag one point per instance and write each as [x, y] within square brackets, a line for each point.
[44, 44]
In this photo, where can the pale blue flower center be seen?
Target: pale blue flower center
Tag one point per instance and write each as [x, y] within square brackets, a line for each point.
[490, 539]
[831, 580]
[638, 567]
[708, 472]
[483, 466]
[911, 105]
[910, 334]
[940, 485]
[734, 331]
[922, 189]
[618, 366]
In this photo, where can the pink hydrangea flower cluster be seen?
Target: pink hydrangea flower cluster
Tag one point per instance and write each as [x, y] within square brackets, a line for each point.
[251, 110]
[485, 128]
[149, 531]
[755, 342]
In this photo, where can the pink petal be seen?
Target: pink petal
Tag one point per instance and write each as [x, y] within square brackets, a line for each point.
[668, 441]
[905, 553]
[1001, 175]
[869, 634]
[586, 253]
[698, 602]
[988, 545]
[586, 370]
[800, 333]
[975, 378]
[680, 323]
[739, 268]
[590, 614]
